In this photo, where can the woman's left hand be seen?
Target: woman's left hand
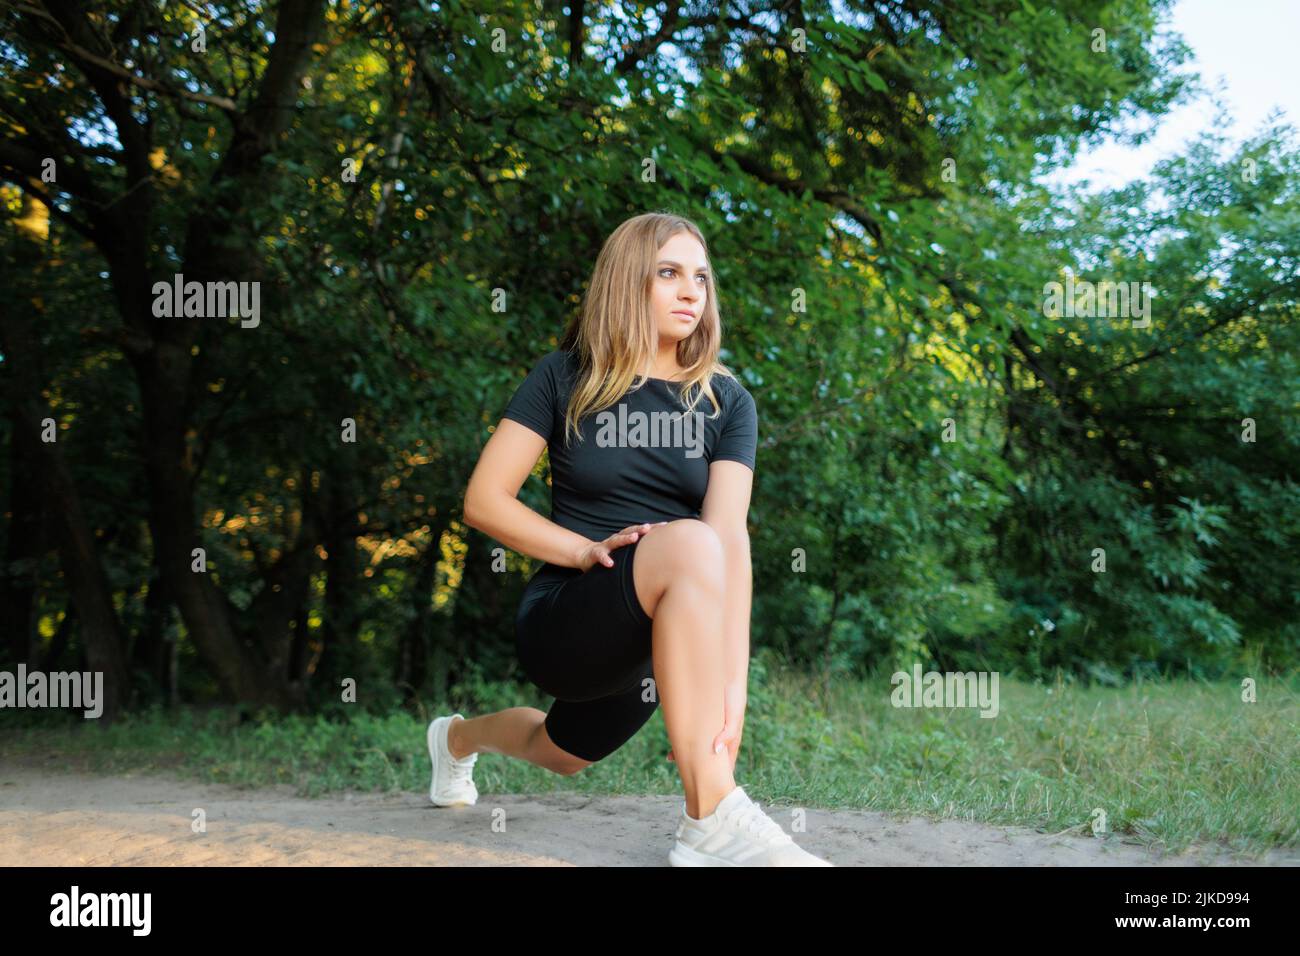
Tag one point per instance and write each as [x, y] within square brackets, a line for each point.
[735, 698]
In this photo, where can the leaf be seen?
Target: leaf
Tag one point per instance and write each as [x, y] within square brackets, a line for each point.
[874, 79]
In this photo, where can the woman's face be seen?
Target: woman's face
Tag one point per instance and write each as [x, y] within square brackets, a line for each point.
[679, 290]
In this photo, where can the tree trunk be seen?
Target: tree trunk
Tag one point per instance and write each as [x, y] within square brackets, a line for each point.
[338, 650]
[87, 583]
[152, 651]
[24, 546]
[412, 652]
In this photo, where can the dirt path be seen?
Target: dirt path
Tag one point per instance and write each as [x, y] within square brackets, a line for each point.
[53, 818]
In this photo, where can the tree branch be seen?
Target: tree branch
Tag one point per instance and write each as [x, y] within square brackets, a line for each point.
[222, 102]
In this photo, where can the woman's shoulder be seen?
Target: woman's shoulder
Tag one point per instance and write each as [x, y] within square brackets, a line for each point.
[555, 357]
[730, 388]
[559, 363]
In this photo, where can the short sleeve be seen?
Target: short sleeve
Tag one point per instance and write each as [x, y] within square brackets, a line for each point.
[533, 403]
[738, 440]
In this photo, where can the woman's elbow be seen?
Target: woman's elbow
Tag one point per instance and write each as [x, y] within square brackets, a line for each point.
[470, 512]
[479, 507]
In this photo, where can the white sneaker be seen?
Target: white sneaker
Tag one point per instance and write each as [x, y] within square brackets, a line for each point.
[737, 833]
[452, 783]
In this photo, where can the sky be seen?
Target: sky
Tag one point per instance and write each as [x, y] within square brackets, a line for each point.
[1249, 46]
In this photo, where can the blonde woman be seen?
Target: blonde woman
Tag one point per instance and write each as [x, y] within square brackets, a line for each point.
[644, 595]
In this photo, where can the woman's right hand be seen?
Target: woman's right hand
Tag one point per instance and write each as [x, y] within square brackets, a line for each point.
[598, 552]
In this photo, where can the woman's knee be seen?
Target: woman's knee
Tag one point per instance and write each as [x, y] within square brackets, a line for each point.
[574, 765]
[546, 753]
[692, 547]
[683, 553]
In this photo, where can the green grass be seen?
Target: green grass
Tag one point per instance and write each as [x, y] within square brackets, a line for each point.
[1170, 763]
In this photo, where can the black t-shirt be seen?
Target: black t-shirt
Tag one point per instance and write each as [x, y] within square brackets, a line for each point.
[643, 459]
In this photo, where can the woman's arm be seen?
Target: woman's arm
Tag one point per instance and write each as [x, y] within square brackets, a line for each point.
[725, 509]
[493, 507]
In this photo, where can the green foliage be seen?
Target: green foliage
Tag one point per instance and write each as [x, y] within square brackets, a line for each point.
[870, 303]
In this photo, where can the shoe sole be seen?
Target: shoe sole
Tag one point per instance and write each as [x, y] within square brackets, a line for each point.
[434, 757]
[681, 855]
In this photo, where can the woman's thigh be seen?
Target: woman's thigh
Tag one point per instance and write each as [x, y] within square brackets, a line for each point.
[590, 637]
[594, 729]
[588, 644]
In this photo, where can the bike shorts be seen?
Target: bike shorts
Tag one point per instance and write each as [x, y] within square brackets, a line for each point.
[583, 638]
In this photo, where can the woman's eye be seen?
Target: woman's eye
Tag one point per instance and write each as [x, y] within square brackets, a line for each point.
[671, 270]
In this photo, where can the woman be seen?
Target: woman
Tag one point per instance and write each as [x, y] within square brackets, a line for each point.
[646, 588]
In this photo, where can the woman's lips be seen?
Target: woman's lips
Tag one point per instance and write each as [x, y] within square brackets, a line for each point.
[686, 316]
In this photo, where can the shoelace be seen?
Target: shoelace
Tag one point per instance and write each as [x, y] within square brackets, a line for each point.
[461, 769]
[752, 819]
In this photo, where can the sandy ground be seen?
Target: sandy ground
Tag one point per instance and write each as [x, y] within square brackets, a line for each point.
[61, 818]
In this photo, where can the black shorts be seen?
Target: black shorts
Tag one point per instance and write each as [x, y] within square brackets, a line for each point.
[583, 638]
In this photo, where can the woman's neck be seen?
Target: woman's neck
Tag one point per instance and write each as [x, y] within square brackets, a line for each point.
[666, 366]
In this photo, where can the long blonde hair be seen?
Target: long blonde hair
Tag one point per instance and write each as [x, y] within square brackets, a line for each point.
[614, 335]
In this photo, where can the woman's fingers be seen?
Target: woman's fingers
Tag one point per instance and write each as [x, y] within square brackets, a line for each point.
[642, 528]
[628, 535]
